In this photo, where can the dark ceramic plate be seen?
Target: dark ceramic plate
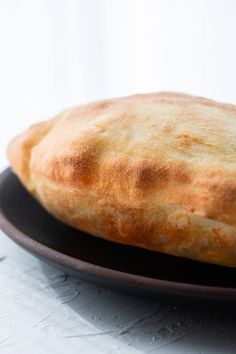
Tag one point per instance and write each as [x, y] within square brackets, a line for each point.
[108, 264]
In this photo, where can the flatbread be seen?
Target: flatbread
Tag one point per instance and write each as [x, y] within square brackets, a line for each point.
[156, 171]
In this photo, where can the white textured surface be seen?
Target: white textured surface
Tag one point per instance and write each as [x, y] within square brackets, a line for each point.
[42, 310]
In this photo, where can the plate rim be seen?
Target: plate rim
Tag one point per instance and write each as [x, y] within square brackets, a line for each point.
[101, 272]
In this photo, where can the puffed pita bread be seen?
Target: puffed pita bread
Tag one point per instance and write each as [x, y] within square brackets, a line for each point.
[156, 171]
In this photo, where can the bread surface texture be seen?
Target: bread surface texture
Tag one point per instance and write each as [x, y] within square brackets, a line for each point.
[156, 171]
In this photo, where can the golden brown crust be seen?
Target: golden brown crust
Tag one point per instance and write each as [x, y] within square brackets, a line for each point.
[156, 171]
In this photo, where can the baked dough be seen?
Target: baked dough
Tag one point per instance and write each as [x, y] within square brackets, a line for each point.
[156, 171]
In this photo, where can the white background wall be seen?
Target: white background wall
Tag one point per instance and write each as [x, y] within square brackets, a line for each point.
[57, 53]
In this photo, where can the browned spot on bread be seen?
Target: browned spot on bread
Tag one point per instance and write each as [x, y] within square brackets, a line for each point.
[79, 169]
[224, 199]
[187, 139]
[179, 173]
[137, 179]
[116, 219]
[103, 105]
[139, 176]
[167, 127]
[217, 199]
[148, 175]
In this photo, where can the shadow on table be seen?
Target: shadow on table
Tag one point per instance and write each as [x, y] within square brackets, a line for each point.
[146, 325]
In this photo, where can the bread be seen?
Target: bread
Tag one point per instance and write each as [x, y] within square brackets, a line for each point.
[156, 171]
